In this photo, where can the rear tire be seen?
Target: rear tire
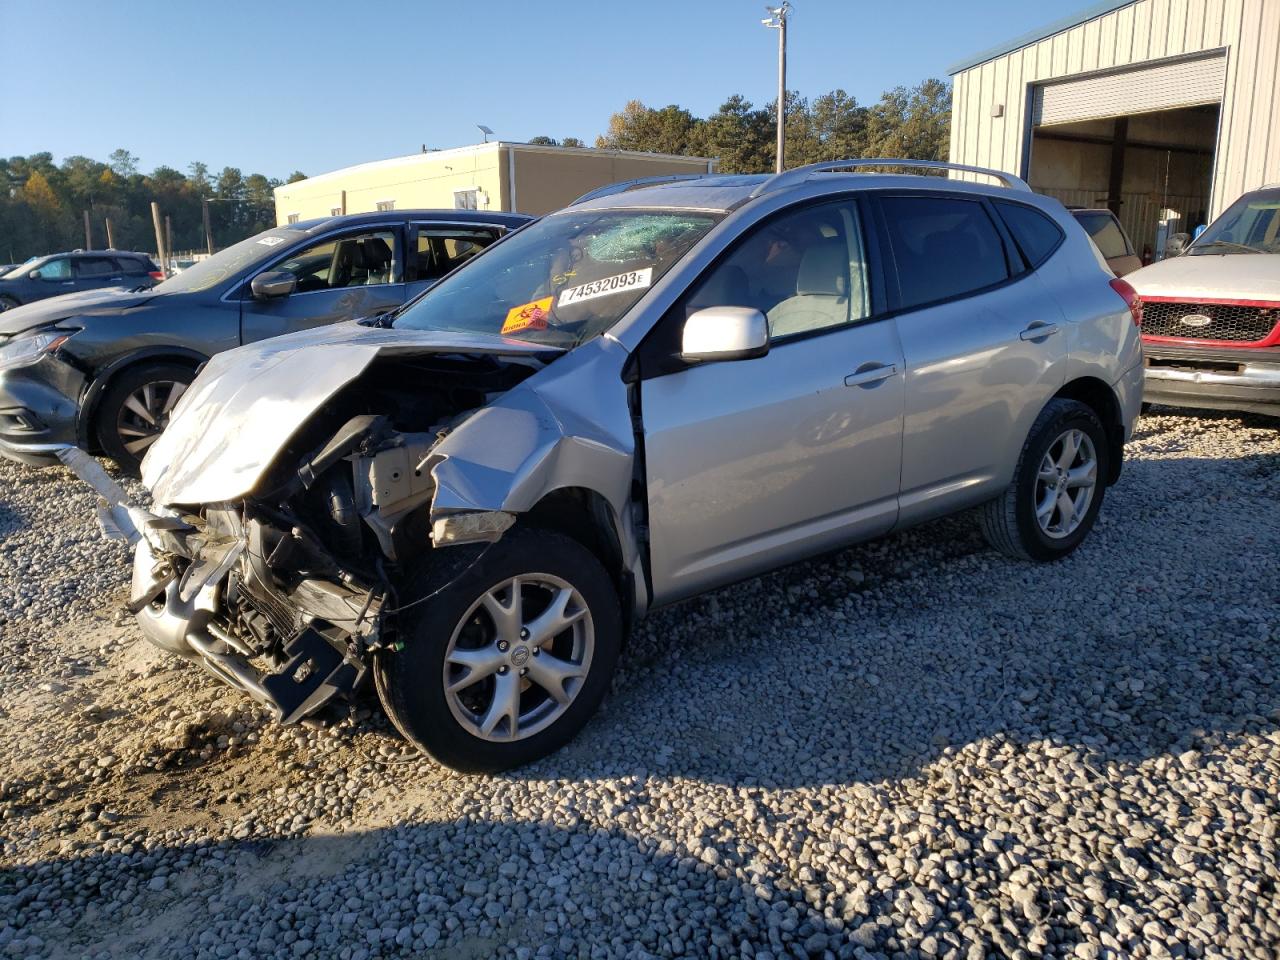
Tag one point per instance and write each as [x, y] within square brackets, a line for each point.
[1057, 488]
[472, 658]
[135, 410]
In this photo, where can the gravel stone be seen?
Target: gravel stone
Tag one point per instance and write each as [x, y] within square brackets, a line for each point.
[911, 748]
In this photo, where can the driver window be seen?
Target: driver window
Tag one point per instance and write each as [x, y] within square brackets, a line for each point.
[56, 270]
[804, 270]
[359, 260]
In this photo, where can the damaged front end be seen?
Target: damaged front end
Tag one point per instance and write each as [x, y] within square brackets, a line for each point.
[286, 585]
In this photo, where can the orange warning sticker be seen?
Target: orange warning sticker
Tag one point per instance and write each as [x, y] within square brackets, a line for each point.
[528, 316]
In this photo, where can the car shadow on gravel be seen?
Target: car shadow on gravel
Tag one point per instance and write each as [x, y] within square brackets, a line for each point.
[400, 891]
[1161, 631]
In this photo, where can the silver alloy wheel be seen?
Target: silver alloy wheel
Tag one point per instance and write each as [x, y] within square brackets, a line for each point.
[519, 657]
[145, 414]
[1065, 483]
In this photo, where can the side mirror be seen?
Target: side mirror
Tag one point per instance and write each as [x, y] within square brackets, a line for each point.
[1177, 244]
[273, 284]
[725, 333]
[33, 275]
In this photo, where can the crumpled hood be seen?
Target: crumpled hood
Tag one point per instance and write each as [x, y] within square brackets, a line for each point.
[1241, 276]
[246, 403]
[96, 302]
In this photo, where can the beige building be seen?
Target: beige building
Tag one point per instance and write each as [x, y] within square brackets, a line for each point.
[519, 177]
[1158, 109]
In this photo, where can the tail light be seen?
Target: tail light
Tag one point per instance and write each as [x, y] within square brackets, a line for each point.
[156, 275]
[1131, 299]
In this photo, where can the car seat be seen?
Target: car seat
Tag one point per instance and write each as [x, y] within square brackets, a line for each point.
[822, 292]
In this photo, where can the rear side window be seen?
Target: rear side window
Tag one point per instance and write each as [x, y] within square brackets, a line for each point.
[1106, 233]
[95, 267]
[1035, 234]
[944, 247]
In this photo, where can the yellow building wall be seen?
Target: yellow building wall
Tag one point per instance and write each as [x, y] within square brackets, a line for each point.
[424, 181]
[547, 178]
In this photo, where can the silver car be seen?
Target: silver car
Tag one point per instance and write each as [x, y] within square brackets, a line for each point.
[659, 390]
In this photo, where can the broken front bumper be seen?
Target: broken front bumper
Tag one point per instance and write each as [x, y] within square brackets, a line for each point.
[1215, 378]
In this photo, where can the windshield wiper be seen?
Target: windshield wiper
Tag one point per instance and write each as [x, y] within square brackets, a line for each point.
[380, 320]
[1228, 243]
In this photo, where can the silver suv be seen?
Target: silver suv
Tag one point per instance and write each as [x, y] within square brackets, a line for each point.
[659, 390]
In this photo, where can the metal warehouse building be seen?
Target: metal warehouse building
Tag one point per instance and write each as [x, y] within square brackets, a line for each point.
[521, 177]
[1158, 109]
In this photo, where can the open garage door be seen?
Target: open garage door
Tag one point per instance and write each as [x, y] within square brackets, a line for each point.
[1166, 86]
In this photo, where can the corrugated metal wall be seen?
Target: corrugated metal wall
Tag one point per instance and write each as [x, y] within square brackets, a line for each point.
[1249, 140]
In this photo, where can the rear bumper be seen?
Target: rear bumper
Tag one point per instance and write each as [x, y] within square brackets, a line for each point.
[1214, 378]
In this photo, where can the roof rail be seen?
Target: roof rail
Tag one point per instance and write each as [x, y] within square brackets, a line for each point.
[622, 186]
[800, 174]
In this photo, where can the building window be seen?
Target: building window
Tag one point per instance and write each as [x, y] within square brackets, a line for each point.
[466, 199]
[385, 205]
[335, 211]
[293, 218]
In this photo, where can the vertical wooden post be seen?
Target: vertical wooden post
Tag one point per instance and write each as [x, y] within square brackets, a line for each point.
[88, 232]
[344, 203]
[208, 231]
[168, 236]
[155, 221]
[111, 240]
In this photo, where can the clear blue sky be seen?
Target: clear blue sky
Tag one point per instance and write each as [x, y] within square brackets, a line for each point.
[272, 87]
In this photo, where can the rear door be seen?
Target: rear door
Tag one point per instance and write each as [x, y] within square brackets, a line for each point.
[342, 276]
[435, 248]
[984, 345]
[754, 463]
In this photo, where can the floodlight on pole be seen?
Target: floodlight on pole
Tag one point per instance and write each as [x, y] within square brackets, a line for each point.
[486, 131]
[777, 20]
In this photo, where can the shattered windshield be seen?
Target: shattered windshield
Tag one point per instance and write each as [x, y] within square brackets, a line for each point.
[562, 280]
[1250, 225]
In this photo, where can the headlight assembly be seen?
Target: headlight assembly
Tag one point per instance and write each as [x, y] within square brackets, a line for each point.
[26, 349]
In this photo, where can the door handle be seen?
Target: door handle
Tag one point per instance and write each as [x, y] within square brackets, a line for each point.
[1038, 331]
[868, 375]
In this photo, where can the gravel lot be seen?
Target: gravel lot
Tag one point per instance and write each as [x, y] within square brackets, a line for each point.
[911, 748]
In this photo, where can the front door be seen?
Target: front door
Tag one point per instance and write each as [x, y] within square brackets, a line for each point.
[754, 463]
[985, 347]
[343, 277]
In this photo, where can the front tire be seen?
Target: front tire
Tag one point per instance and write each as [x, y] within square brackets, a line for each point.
[135, 410]
[8, 303]
[1057, 488]
[509, 658]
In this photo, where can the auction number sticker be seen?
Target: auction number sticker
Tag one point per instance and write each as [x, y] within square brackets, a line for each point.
[635, 280]
[271, 241]
[528, 316]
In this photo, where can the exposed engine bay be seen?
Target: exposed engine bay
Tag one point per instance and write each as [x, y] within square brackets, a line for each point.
[288, 592]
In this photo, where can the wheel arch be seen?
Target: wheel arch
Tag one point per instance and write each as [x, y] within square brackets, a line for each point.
[1101, 398]
[589, 518]
[87, 427]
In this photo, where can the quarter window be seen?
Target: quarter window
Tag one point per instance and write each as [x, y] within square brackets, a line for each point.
[365, 259]
[1036, 235]
[944, 247]
[805, 271]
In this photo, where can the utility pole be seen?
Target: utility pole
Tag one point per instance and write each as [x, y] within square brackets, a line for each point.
[88, 232]
[777, 20]
[111, 240]
[155, 222]
[208, 231]
[168, 236]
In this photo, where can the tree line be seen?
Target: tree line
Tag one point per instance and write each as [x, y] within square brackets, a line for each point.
[42, 204]
[912, 122]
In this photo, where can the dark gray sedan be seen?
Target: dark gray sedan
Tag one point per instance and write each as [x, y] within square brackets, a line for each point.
[102, 370]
